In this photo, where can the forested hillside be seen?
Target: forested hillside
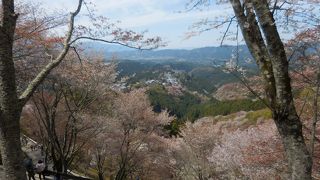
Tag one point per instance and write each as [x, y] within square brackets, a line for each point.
[107, 90]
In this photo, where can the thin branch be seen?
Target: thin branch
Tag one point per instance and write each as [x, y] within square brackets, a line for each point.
[198, 3]
[303, 105]
[77, 54]
[110, 42]
[315, 115]
[274, 6]
[227, 30]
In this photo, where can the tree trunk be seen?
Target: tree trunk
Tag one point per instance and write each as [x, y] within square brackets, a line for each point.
[121, 175]
[10, 111]
[11, 148]
[10, 108]
[290, 130]
[315, 115]
[255, 18]
[100, 175]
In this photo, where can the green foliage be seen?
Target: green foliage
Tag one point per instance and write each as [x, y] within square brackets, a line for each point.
[176, 105]
[189, 107]
[205, 79]
[306, 93]
[174, 127]
[214, 108]
[255, 115]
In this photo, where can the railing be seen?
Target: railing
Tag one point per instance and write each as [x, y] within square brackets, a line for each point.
[25, 139]
[64, 175]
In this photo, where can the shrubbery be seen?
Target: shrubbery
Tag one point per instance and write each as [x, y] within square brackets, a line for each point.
[255, 115]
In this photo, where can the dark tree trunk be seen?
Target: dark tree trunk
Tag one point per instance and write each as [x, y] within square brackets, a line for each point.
[290, 130]
[11, 148]
[101, 177]
[100, 164]
[315, 115]
[255, 18]
[10, 108]
[121, 174]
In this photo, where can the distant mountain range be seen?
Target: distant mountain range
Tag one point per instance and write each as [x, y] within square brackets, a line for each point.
[205, 54]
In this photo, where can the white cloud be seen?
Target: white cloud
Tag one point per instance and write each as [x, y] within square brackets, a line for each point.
[137, 13]
[123, 5]
[155, 17]
[161, 17]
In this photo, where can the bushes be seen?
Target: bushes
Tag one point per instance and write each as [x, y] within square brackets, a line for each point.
[255, 115]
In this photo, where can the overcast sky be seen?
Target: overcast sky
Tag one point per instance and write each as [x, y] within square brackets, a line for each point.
[165, 18]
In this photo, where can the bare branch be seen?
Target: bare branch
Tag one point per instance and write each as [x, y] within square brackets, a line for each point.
[110, 42]
[47, 69]
[225, 33]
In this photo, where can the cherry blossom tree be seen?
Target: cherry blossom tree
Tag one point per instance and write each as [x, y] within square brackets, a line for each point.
[259, 22]
[12, 101]
[304, 56]
[210, 149]
[131, 136]
[192, 151]
[66, 108]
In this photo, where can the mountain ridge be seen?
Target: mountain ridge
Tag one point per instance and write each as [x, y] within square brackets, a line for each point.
[211, 53]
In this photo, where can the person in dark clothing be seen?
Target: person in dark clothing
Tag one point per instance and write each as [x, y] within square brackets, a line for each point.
[40, 167]
[28, 164]
[57, 175]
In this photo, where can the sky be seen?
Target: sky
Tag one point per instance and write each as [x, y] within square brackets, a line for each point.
[168, 19]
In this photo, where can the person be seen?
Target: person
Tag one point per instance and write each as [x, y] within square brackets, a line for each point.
[28, 164]
[57, 176]
[40, 167]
